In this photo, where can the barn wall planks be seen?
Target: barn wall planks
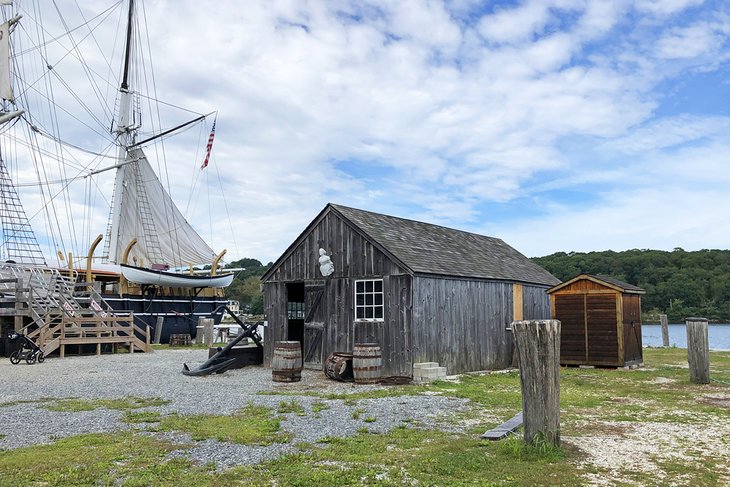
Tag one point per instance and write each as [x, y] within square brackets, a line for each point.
[535, 303]
[351, 253]
[276, 317]
[462, 324]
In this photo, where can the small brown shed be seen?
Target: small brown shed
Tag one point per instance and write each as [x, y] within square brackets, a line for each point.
[600, 321]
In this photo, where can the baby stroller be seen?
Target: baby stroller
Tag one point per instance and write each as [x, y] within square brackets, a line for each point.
[30, 352]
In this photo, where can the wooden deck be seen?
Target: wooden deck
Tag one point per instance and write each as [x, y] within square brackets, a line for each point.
[94, 330]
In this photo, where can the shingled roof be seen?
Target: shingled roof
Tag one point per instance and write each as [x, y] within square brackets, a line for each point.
[432, 249]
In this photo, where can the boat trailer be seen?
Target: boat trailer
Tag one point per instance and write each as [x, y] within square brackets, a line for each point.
[222, 360]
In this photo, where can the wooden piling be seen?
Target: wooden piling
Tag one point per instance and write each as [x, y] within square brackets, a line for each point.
[698, 350]
[158, 328]
[665, 330]
[538, 345]
[207, 324]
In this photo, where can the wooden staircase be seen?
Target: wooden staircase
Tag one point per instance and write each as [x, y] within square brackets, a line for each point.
[54, 312]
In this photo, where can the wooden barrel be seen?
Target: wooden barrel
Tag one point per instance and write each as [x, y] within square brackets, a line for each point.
[286, 364]
[338, 366]
[367, 364]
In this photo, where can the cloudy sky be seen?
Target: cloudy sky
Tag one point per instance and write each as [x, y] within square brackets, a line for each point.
[556, 125]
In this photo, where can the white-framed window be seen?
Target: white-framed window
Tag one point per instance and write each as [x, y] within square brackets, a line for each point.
[369, 300]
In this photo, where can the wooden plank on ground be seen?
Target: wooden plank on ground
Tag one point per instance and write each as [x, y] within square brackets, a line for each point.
[504, 429]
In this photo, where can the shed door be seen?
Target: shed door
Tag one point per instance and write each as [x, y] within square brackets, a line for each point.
[602, 329]
[313, 324]
[570, 310]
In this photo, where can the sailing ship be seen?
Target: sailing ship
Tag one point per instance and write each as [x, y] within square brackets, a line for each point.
[150, 250]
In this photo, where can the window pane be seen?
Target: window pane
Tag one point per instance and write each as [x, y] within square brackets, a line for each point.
[379, 286]
[379, 299]
[378, 312]
[359, 286]
[360, 299]
[368, 312]
[369, 299]
[368, 286]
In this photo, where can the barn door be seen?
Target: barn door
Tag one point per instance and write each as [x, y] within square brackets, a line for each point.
[602, 329]
[570, 310]
[313, 324]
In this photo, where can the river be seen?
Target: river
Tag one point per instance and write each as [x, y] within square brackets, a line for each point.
[719, 335]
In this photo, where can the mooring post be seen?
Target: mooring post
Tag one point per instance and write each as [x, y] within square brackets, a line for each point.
[158, 329]
[207, 331]
[665, 330]
[698, 350]
[538, 345]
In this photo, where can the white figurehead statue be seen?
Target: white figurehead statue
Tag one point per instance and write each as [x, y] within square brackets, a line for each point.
[326, 267]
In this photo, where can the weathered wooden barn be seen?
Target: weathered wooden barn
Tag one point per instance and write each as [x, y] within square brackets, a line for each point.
[600, 321]
[423, 292]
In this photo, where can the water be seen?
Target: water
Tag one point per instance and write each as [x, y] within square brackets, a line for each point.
[719, 335]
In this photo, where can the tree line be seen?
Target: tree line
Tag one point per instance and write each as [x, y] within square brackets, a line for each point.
[677, 283]
[246, 285]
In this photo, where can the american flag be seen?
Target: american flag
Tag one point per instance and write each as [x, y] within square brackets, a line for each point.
[210, 146]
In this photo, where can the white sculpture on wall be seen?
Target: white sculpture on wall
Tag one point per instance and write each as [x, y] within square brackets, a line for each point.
[326, 267]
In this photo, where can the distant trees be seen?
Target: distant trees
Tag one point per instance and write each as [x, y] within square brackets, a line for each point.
[246, 286]
[677, 283]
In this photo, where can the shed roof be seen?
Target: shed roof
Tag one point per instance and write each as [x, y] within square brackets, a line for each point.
[425, 248]
[609, 281]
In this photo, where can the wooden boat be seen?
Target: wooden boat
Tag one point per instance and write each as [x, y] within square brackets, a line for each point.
[154, 277]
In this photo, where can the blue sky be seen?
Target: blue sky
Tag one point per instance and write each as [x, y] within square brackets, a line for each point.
[557, 125]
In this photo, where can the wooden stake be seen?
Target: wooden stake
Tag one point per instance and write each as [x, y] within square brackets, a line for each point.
[698, 350]
[665, 330]
[538, 345]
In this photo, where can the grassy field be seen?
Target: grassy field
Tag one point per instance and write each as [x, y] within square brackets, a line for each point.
[647, 426]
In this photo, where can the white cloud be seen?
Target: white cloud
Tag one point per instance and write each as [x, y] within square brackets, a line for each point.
[666, 7]
[689, 42]
[424, 108]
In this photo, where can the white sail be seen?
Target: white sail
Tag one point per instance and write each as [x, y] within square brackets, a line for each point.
[146, 212]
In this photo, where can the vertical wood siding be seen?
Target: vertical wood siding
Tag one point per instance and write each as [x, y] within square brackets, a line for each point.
[393, 334]
[351, 254]
[275, 311]
[535, 303]
[633, 351]
[462, 324]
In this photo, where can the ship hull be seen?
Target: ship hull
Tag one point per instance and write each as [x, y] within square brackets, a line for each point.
[180, 313]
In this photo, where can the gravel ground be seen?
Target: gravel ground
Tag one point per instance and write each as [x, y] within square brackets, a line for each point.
[159, 374]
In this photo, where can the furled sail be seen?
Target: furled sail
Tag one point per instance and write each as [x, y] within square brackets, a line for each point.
[144, 210]
[6, 88]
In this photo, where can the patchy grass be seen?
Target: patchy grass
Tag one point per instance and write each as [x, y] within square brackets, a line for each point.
[142, 417]
[125, 403]
[594, 403]
[291, 407]
[252, 425]
[411, 457]
[319, 406]
[99, 459]
[27, 401]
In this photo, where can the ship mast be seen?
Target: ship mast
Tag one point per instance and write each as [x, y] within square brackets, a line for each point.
[124, 136]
